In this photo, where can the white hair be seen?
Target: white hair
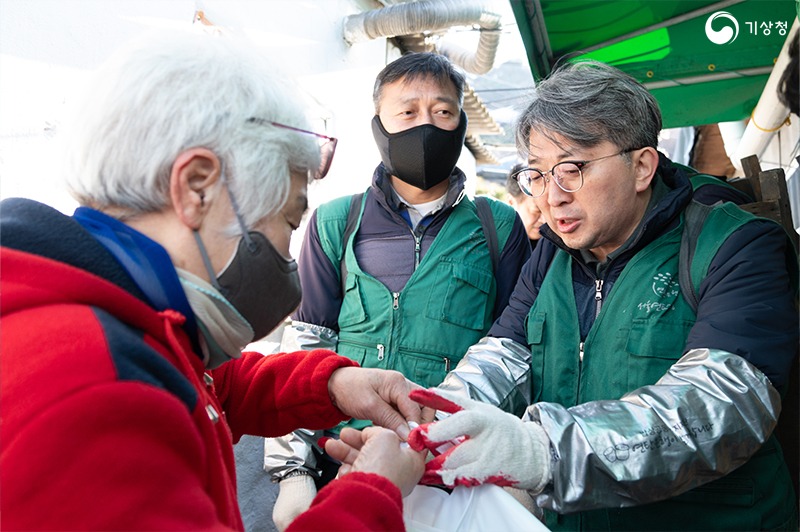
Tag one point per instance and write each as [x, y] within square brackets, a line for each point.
[156, 98]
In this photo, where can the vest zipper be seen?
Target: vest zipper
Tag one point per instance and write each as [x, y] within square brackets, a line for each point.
[598, 296]
[395, 300]
[446, 365]
[380, 351]
[580, 352]
[417, 248]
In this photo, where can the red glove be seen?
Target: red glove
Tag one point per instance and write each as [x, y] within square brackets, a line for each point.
[480, 444]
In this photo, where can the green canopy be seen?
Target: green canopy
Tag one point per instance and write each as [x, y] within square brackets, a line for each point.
[665, 45]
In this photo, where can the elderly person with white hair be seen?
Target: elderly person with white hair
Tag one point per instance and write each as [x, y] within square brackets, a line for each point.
[123, 381]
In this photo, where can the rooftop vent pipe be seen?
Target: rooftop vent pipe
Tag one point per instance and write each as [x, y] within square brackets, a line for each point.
[430, 16]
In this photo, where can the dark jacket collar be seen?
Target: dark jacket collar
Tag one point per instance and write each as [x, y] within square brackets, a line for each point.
[39, 229]
[381, 185]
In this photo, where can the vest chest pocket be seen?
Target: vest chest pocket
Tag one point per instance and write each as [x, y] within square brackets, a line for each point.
[534, 328]
[427, 370]
[353, 311]
[653, 348]
[353, 352]
[461, 296]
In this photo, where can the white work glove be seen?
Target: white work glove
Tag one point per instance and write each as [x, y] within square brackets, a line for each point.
[294, 497]
[480, 444]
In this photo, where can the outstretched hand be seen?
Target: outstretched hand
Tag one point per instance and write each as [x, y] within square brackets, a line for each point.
[380, 451]
[479, 444]
[378, 395]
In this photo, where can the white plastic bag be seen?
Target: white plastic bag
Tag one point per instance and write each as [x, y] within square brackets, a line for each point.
[482, 508]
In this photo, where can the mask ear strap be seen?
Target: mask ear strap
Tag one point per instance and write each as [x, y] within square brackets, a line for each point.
[251, 246]
[207, 261]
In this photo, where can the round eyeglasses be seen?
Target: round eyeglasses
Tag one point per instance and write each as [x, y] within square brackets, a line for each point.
[327, 145]
[568, 175]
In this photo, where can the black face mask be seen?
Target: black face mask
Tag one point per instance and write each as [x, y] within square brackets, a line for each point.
[262, 284]
[422, 156]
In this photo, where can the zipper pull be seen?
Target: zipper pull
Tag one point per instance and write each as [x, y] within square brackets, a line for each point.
[213, 415]
[598, 296]
[380, 351]
[395, 300]
[580, 352]
[417, 248]
[446, 365]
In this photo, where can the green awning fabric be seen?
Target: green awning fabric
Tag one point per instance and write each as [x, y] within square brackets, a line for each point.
[663, 44]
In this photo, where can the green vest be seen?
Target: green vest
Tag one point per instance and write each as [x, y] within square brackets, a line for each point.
[638, 334]
[446, 306]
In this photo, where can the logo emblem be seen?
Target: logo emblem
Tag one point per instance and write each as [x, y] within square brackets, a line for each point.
[664, 285]
[726, 34]
[617, 453]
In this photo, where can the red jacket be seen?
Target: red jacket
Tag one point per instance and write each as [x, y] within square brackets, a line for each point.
[109, 422]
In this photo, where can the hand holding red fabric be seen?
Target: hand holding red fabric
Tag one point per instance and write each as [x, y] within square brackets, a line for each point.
[378, 395]
[488, 445]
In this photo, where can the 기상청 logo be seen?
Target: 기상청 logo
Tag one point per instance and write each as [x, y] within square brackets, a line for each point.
[726, 34]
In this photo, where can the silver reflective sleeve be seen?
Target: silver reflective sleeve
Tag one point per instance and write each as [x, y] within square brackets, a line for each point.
[704, 418]
[290, 453]
[294, 451]
[301, 336]
[495, 371]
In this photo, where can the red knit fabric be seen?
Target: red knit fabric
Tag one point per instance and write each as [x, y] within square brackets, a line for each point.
[356, 501]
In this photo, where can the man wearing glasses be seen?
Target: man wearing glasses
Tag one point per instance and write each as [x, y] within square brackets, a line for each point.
[525, 206]
[413, 283]
[123, 381]
[639, 411]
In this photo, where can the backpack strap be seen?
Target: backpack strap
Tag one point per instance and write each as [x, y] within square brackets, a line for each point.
[352, 221]
[694, 217]
[489, 230]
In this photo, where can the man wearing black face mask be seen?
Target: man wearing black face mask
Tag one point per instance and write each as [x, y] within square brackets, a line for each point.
[400, 277]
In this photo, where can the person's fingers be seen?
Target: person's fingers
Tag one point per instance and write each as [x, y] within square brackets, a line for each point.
[341, 451]
[428, 415]
[393, 408]
[352, 437]
[378, 395]
[395, 390]
[410, 410]
[384, 415]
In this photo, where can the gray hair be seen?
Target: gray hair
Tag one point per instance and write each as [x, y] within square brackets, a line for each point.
[163, 95]
[587, 103]
[413, 66]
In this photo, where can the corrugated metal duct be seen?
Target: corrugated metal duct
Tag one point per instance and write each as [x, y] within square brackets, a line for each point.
[431, 16]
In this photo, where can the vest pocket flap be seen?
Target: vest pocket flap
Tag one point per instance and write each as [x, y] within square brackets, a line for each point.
[353, 352]
[478, 278]
[461, 295]
[352, 311]
[648, 339]
[535, 329]
[425, 369]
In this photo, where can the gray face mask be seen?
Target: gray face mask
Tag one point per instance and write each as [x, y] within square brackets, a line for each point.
[422, 156]
[261, 284]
